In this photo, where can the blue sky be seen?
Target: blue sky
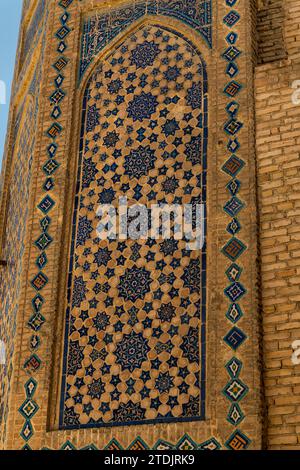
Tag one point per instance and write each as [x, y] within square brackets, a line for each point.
[10, 15]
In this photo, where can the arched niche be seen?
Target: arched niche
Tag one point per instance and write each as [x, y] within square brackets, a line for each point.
[135, 310]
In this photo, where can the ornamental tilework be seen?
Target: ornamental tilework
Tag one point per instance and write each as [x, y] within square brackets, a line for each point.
[40, 280]
[135, 321]
[24, 138]
[100, 29]
[235, 390]
[135, 332]
[186, 443]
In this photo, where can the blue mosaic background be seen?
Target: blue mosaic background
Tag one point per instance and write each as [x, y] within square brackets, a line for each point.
[99, 30]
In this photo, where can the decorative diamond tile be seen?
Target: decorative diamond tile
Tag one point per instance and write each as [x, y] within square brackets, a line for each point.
[34, 342]
[234, 206]
[234, 367]
[234, 313]
[54, 130]
[233, 186]
[186, 443]
[232, 88]
[27, 431]
[36, 322]
[30, 388]
[50, 167]
[233, 145]
[64, 18]
[235, 338]
[238, 441]
[233, 227]
[63, 32]
[235, 292]
[52, 149]
[232, 108]
[57, 96]
[231, 53]
[32, 364]
[60, 64]
[49, 184]
[61, 47]
[39, 281]
[46, 204]
[233, 126]
[235, 415]
[234, 249]
[233, 166]
[28, 409]
[235, 390]
[231, 38]
[210, 444]
[232, 69]
[37, 302]
[43, 241]
[56, 113]
[234, 272]
[59, 80]
[231, 18]
[42, 260]
[45, 223]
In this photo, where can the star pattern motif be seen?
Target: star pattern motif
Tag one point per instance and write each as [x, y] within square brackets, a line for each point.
[135, 306]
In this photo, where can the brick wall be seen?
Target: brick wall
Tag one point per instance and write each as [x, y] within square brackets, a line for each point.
[278, 165]
[270, 20]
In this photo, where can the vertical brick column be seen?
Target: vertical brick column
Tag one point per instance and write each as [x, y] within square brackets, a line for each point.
[278, 166]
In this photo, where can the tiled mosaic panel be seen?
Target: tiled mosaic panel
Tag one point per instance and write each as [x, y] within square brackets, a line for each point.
[10, 278]
[186, 443]
[135, 325]
[100, 29]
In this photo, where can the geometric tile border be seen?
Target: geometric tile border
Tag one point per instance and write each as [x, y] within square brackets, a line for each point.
[235, 390]
[186, 443]
[45, 207]
[99, 30]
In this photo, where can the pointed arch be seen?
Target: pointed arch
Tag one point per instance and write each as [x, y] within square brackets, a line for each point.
[100, 28]
[143, 136]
